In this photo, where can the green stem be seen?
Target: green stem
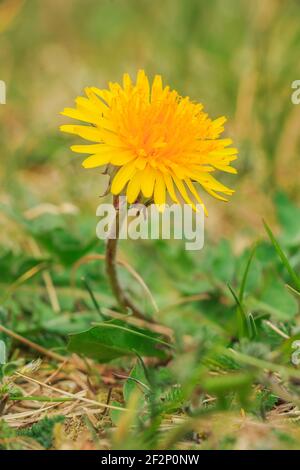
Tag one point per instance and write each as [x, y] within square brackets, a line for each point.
[111, 269]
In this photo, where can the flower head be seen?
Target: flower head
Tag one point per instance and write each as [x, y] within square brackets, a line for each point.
[156, 141]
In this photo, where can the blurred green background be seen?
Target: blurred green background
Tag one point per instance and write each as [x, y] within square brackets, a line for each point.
[237, 57]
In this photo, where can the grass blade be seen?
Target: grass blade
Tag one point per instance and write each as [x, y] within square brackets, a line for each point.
[245, 276]
[243, 327]
[293, 275]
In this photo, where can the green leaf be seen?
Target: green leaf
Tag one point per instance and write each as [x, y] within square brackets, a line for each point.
[246, 323]
[222, 386]
[42, 431]
[65, 245]
[242, 318]
[284, 306]
[252, 326]
[112, 339]
[245, 276]
[294, 277]
[67, 323]
[136, 380]
[230, 382]
[56, 234]
[289, 217]
[116, 415]
[220, 261]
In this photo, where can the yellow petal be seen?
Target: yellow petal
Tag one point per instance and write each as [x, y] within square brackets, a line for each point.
[224, 152]
[183, 192]
[215, 195]
[227, 169]
[105, 95]
[195, 194]
[124, 174]
[217, 123]
[88, 105]
[110, 137]
[69, 129]
[80, 115]
[208, 181]
[159, 189]
[142, 82]
[121, 157]
[140, 163]
[127, 82]
[86, 132]
[117, 157]
[96, 160]
[224, 142]
[91, 149]
[147, 181]
[133, 188]
[170, 187]
[179, 171]
[99, 104]
[157, 88]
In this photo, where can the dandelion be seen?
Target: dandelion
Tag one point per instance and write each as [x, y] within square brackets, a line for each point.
[155, 142]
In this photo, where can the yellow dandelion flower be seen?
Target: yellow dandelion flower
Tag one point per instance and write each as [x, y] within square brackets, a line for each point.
[156, 141]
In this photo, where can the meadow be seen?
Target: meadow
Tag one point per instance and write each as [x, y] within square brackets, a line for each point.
[213, 362]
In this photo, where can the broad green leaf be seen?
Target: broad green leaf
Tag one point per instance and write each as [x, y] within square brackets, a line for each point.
[277, 300]
[54, 233]
[284, 306]
[112, 339]
[68, 323]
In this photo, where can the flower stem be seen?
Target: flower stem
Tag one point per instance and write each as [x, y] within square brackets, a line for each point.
[111, 270]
